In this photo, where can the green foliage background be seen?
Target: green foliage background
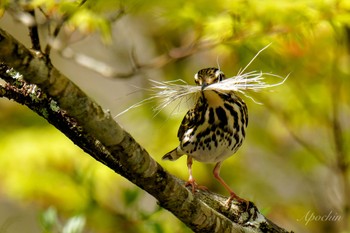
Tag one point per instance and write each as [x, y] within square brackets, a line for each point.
[295, 160]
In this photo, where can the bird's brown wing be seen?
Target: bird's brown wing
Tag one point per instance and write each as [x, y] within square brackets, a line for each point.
[193, 117]
[187, 122]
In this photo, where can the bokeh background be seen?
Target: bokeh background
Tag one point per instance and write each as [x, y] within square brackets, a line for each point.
[294, 163]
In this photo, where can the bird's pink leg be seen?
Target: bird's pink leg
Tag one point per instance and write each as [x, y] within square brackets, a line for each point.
[216, 173]
[191, 181]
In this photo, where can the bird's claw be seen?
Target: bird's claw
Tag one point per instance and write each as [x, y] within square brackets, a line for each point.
[195, 186]
[232, 197]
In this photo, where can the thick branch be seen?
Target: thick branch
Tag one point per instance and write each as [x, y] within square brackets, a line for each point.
[38, 70]
[98, 134]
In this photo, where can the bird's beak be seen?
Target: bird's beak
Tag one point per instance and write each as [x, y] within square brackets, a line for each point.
[204, 85]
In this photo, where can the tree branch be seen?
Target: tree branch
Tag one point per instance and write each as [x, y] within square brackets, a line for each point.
[65, 106]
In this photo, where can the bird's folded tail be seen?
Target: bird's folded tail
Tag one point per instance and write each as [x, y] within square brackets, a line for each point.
[173, 155]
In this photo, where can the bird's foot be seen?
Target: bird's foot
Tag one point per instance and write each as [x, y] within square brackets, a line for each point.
[195, 186]
[233, 196]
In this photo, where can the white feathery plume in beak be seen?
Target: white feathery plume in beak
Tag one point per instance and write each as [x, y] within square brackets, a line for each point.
[169, 91]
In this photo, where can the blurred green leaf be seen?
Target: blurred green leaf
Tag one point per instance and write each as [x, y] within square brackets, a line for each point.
[131, 195]
[75, 224]
[87, 21]
[49, 220]
[219, 28]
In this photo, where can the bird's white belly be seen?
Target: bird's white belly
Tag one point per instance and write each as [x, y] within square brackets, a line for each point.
[209, 150]
[214, 156]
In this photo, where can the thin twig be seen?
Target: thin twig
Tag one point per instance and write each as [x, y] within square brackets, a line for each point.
[59, 26]
[342, 163]
[34, 33]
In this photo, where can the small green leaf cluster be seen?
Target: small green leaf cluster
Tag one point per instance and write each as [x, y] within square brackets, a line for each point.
[50, 222]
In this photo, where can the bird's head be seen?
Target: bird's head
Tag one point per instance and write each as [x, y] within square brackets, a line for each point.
[208, 76]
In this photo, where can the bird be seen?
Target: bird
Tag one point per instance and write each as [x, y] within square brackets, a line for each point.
[213, 130]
